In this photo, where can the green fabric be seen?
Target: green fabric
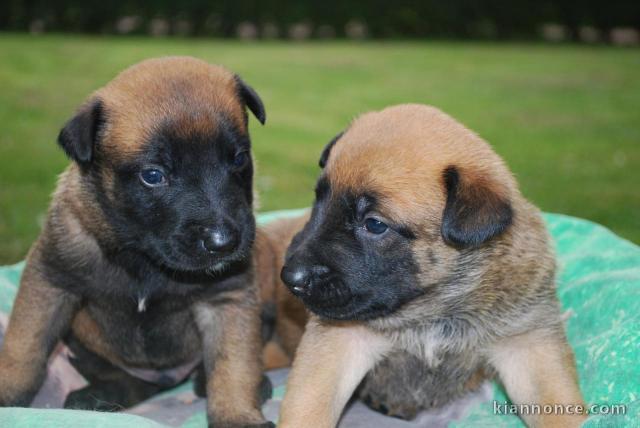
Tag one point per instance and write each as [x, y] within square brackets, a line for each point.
[9, 279]
[60, 418]
[598, 283]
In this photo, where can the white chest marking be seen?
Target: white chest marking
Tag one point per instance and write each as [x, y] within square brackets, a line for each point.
[142, 304]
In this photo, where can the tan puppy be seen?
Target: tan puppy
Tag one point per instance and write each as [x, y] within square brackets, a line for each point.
[426, 272]
[145, 260]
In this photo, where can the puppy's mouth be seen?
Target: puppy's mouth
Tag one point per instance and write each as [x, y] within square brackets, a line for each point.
[327, 295]
[350, 313]
[172, 259]
[211, 266]
[337, 302]
[180, 265]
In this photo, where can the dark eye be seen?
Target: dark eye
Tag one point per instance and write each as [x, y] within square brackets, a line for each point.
[152, 177]
[240, 160]
[375, 226]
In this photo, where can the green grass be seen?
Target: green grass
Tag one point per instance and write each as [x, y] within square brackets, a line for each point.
[566, 118]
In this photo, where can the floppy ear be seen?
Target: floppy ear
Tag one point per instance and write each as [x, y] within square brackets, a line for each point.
[324, 156]
[475, 211]
[252, 100]
[79, 135]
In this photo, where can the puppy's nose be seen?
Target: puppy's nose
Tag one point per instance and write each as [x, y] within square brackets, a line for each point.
[219, 239]
[300, 278]
[297, 278]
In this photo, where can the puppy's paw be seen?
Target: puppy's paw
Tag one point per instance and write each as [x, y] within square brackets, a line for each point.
[93, 398]
[374, 404]
[9, 398]
[14, 398]
[16, 389]
[390, 409]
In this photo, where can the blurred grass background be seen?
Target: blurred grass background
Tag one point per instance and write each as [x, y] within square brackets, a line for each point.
[566, 118]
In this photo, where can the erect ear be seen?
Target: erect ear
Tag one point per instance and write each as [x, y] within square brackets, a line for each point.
[476, 210]
[79, 135]
[252, 100]
[324, 156]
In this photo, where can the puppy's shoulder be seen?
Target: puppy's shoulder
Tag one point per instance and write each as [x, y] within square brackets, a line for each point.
[280, 232]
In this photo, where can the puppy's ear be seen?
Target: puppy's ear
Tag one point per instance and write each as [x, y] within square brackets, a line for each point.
[79, 135]
[324, 156]
[475, 211]
[252, 100]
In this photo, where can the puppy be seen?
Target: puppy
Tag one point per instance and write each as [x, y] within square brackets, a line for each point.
[426, 272]
[145, 260]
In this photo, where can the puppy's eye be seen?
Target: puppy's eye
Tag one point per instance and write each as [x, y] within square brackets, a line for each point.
[375, 226]
[152, 177]
[240, 160]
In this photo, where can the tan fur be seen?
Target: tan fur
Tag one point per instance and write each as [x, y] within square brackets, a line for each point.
[235, 371]
[91, 336]
[274, 356]
[266, 260]
[37, 309]
[291, 315]
[537, 368]
[399, 154]
[131, 122]
[407, 173]
[320, 386]
[269, 252]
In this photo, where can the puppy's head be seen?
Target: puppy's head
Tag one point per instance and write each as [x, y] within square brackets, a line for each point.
[163, 155]
[406, 199]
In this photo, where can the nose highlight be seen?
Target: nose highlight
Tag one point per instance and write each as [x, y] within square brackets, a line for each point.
[218, 240]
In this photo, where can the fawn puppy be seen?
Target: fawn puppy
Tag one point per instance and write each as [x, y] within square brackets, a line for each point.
[425, 271]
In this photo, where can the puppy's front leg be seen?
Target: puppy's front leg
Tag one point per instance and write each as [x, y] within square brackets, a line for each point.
[232, 346]
[538, 368]
[40, 316]
[330, 362]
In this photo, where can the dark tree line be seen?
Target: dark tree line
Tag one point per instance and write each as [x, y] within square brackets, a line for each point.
[517, 19]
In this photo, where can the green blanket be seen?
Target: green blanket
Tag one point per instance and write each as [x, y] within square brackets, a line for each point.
[598, 284]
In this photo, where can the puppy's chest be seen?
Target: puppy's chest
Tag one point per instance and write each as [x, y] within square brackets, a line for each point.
[146, 289]
[427, 346]
[152, 337]
[113, 286]
[434, 343]
[146, 319]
